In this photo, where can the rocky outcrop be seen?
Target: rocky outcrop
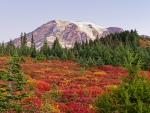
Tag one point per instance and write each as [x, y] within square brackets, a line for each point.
[67, 32]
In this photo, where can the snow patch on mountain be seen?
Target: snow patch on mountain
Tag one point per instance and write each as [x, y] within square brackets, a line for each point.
[61, 25]
[86, 27]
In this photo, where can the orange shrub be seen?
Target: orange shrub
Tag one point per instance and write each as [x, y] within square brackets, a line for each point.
[100, 73]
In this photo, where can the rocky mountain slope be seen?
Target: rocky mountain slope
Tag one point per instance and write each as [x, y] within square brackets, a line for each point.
[67, 32]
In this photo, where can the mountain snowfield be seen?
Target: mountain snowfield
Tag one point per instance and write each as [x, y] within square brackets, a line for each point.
[67, 32]
[87, 28]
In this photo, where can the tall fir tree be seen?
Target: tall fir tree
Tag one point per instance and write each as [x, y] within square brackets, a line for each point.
[32, 48]
[24, 41]
[24, 49]
[21, 39]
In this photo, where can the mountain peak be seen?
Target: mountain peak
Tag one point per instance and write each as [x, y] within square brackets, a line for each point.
[67, 32]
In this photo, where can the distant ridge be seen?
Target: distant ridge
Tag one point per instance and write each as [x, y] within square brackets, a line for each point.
[146, 36]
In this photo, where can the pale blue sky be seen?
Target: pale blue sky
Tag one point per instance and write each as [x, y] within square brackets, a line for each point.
[18, 16]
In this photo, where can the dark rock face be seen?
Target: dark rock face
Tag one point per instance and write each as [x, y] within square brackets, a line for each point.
[67, 32]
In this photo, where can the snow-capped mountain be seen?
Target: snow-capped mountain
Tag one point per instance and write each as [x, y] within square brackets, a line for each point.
[67, 32]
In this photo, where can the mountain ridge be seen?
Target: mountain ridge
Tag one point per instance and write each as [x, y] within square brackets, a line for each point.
[67, 32]
[145, 36]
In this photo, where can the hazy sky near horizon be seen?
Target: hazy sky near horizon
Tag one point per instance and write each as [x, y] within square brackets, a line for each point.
[18, 16]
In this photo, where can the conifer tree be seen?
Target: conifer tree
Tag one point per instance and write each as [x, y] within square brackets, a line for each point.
[71, 55]
[24, 41]
[64, 56]
[10, 48]
[57, 49]
[99, 62]
[40, 56]
[21, 39]
[90, 62]
[32, 48]
[11, 90]
[133, 66]
[2, 49]
[24, 49]
[45, 49]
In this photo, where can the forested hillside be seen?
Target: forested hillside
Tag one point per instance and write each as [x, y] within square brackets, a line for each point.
[109, 50]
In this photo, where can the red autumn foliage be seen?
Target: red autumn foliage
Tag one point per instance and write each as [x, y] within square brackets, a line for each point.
[77, 86]
[75, 107]
[42, 85]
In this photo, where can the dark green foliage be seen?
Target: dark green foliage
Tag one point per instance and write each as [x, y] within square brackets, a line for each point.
[10, 48]
[71, 55]
[132, 94]
[21, 38]
[24, 49]
[14, 81]
[99, 62]
[90, 62]
[24, 40]
[32, 48]
[57, 49]
[64, 56]
[22, 59]
[2, 49]
[126, 37]
[45, 49]
[51, 57]
[132, 66]
[40, 56]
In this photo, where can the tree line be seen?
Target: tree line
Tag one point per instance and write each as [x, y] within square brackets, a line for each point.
[109, 50]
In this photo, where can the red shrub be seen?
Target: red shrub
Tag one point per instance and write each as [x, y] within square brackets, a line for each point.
[42, 85]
